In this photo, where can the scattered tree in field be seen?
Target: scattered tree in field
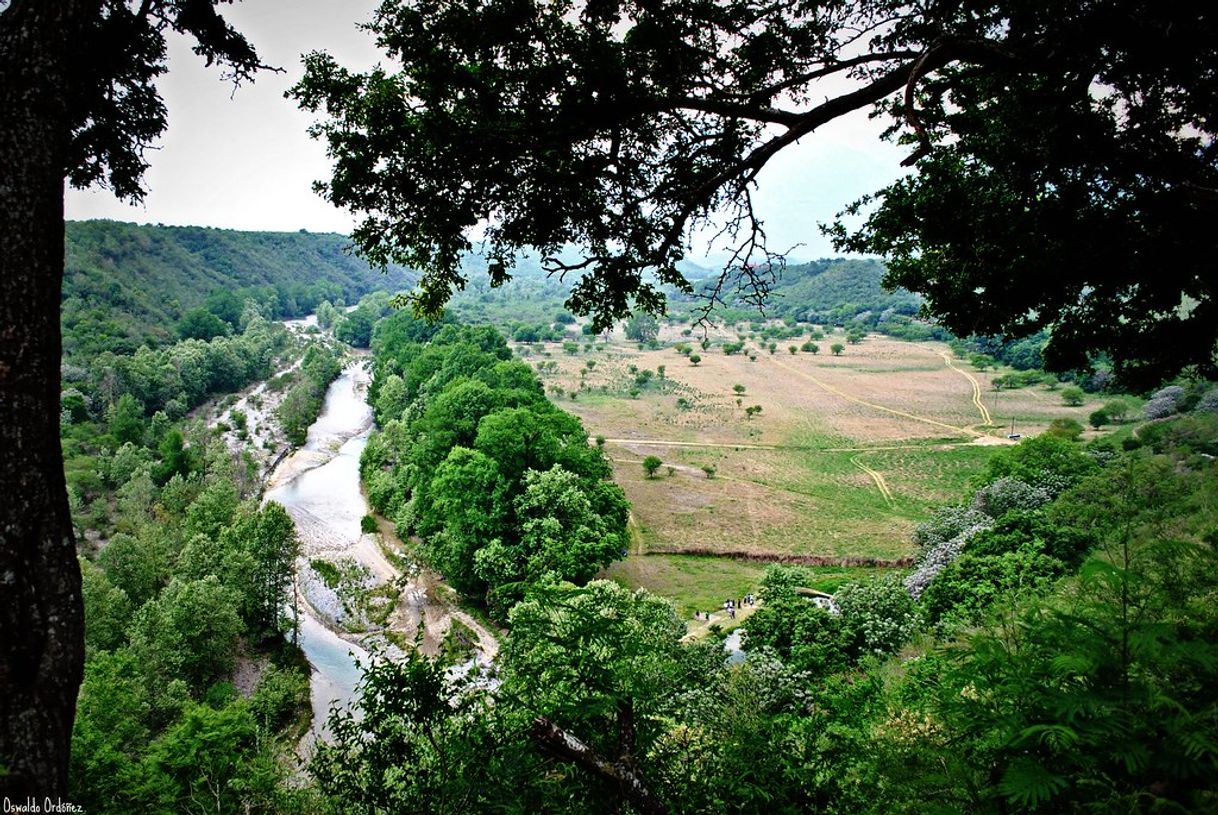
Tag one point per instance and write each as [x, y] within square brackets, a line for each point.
[1098, 418]
[837, 349]
[600, 441]
[709, 469]
[752, 410]
[738, 388]
[651, 464]
[694, 359]
[1065, 428]
[1117, 409]
[1073, 396]
[982, 362]
[792, 349]
[642, 327]
[811, 347]
[661, 370]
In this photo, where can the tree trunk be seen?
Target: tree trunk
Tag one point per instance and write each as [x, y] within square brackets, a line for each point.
[561, 744]
[41, 614]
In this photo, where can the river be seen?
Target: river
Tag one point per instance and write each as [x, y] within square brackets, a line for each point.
[319, 486]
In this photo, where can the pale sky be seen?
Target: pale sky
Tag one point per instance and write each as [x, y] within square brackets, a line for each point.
[243, 160]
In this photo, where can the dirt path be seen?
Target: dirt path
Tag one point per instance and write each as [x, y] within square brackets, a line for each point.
[700, 628]
[966, 431]
[722, 444]
[986, 419]
[876, 477]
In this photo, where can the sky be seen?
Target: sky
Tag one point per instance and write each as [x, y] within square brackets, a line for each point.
[241, 159]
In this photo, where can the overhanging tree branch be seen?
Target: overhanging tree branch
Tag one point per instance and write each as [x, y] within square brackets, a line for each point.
[561, 744]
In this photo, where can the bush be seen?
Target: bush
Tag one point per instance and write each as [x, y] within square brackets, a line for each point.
[1069, 429]
[1098, 418]
[1007, 494]
[879, 616]
[367, 524]
[1073, 396]
[651, 464]
[1164, 402]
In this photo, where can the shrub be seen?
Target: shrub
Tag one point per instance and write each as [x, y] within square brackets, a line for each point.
[1065, 428]
[1164, 402]
[651, 464]
[1007, 494]
[367, 524]
[1073, 396]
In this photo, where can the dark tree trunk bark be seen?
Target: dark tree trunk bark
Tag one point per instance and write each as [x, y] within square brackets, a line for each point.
[41, 614]
[561, 744]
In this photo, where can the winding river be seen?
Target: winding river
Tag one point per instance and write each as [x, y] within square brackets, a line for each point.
[319, 486]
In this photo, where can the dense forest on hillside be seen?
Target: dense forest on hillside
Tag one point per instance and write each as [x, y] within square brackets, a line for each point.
[127, 285]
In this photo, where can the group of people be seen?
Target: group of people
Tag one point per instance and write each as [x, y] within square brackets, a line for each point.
[730, 606]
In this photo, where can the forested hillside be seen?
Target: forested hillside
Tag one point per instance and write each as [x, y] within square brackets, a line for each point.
[126, 285]
[835, 290]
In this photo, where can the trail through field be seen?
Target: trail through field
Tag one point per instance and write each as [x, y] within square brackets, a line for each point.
[851, 398]
[876, 477]
[981, 408]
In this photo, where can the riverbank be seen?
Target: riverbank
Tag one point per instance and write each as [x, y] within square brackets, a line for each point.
[319, 486]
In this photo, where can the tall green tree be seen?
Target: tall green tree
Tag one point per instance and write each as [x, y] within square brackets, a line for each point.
[77, 87]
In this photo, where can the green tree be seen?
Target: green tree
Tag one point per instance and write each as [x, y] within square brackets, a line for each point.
[327, 314]
[81, 105]
[216, 754]
[567, 532]
[837, 349]
[138, 566]
[694, 359]
[1117, 409]
[107, 609]
[651, 464]
[126, 421]
[201, 324]
[642, 327]
[1073, 396]
[190, 631]
[596, 664]
[1098, 418]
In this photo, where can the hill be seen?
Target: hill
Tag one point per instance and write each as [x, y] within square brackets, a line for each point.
[126, 285]
[839, 290]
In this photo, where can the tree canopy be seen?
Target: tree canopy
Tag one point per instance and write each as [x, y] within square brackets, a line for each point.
[1064, 158]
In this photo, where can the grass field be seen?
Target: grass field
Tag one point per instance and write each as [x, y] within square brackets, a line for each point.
[847, 454]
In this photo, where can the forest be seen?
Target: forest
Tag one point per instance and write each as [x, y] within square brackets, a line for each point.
[968, 552]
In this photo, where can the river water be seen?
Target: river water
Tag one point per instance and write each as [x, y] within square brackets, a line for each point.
[319, 486]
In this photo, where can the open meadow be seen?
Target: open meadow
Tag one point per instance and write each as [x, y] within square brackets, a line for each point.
[847, 454]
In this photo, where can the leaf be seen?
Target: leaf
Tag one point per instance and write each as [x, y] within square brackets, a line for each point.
[1053, 735]
[1027, 783]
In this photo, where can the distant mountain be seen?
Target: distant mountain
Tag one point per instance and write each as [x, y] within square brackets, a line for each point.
[127, 284]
